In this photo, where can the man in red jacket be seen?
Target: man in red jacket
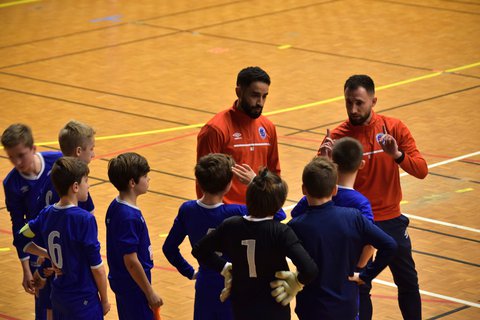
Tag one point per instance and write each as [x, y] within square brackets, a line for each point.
[242, 132]
[388, 145]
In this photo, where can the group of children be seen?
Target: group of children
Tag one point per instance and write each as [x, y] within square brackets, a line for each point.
[242, 249]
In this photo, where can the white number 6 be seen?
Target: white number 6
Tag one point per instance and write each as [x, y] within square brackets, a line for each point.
[55, 250]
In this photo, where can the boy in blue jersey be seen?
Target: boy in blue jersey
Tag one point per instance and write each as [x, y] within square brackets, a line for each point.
[79, 289]
[195, 219]
[347, 154]
[77, 140]
[22, 187]
[129, 252]
[335, 237]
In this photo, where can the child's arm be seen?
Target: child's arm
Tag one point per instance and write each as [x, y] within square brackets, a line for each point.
[33, 248]
[171, 251]
[135, 269]
[367, 253]
[100, 278]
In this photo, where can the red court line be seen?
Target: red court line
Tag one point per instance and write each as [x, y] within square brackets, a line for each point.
[446, 157]
[4, 316]
[5, 231]
[144, 145]
[379, 296]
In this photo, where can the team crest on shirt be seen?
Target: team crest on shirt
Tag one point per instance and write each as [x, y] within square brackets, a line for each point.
[262, 132]
[237, 136]
[378, 137]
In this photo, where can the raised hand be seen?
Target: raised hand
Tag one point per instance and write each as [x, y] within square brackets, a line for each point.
[326, 147]
[389, 144]
[244, 173]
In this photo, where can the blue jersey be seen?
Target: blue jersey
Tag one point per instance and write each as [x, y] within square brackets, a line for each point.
[49, 196]
[21, 195]
[345, 197]
[71, 236]
[195, 220]
[127, 233]
[334, 237]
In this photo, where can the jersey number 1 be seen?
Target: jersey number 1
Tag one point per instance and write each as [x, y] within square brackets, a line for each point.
[252, 269]
[55, 250]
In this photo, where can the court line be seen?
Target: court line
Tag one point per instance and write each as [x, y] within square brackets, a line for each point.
[14, 3]
[432, 294]
[427, 7]
[448, 313]
[302, 106]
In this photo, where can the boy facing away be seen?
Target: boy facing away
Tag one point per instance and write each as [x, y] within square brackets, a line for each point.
[258, 246]
[347, 154]
[76, 140]
[129, 251]
[195, 219]
[79, 290]
[22, 187]
[335, 237]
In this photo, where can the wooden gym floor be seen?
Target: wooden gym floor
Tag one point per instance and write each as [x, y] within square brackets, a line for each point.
[146, 74]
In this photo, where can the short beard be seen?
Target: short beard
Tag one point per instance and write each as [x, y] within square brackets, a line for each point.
[248, 111]
[361, 121]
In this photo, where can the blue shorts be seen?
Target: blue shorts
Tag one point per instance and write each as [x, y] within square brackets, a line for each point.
[77, 309]
[133, 306]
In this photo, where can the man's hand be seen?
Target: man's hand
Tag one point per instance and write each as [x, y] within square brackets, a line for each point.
[244, 173]
[356, 278]
[327, 146]
[286, 287]
[389, 144]
[227, 274]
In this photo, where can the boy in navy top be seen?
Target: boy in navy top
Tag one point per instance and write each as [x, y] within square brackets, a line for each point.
[258, 246]
[195, 219]
[22, 187]
[335, 237]
[79, 289]
[347, 154]
[129, 252]
[77, 140]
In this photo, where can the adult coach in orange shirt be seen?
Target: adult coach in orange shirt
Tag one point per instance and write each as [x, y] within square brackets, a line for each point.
[242, 132]
[388, 145]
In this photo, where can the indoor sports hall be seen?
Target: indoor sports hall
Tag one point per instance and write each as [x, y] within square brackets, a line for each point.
[147, 74]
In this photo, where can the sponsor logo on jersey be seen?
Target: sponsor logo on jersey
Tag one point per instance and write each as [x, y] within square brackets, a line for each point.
[24, 189]
[237, 136]
[262, 132]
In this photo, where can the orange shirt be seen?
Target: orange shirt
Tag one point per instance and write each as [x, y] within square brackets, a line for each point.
[247, 140]
[379, 180]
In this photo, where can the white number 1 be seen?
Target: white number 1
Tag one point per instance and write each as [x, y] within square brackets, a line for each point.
[252, 270]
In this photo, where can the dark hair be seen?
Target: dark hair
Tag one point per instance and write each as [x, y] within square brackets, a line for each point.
[66, 171]
[347, 153]
[214, 172]
[360, 80]
[17, 133]
[266, 194]
[74, 134]
[252, 74]
[125, 167]
[320, 177]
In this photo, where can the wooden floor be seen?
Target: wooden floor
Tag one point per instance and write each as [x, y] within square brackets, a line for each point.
[146, 74]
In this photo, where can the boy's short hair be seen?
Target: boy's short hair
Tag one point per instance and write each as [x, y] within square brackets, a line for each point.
[266, 194]
[214, 172]
[347, 153]
[66, 171]
[127, 166]
[320, 177]
[74, 134]
[17, 133]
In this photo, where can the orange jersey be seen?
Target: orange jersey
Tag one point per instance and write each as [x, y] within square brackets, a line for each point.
[379, 180]
[247, 140]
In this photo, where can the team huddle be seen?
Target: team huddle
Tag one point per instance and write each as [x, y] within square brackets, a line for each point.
[350, 209]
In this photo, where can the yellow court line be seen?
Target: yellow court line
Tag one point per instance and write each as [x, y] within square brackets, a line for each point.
[14, 3]
[302, 106]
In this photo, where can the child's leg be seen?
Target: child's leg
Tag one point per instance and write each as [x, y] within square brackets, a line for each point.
[133, 305]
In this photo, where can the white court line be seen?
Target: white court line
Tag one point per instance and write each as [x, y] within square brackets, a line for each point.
[410, 216]
[431, 294]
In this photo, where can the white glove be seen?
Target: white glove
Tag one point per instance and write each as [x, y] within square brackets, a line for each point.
[286, 288]
[227, 274]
